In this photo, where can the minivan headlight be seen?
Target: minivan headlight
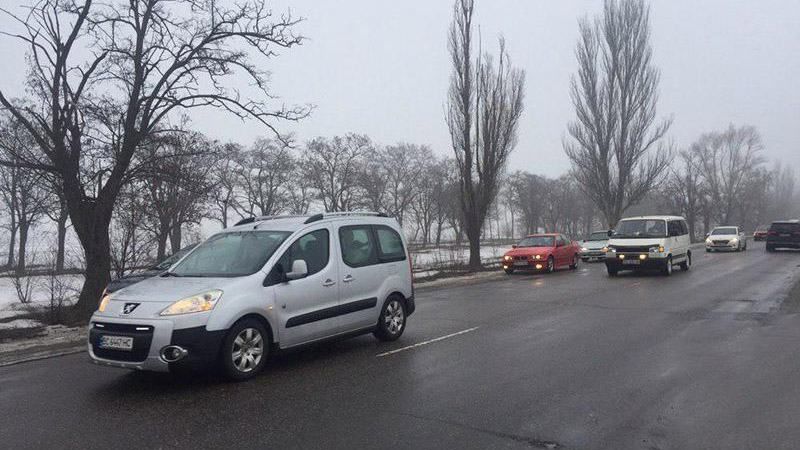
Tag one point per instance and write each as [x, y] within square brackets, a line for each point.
[104, 301]
[196, 303]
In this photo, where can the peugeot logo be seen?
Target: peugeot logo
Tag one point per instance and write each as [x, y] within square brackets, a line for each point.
[129, 307]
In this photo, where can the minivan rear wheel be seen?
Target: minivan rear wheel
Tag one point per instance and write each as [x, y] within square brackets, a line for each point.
[245, 350]
[392, 321]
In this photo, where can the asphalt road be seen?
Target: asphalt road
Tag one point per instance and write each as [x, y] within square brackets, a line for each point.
[704, 359]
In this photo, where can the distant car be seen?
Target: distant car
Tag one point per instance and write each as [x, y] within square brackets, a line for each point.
[157, 269]
[593, 248]
[726, 238]
[649, 242]
[542, 252]
[760, 234]
[783, 234]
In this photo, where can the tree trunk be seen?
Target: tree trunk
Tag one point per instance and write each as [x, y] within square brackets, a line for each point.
[98, 273]
[12, 242]
[61, 225]
[24, 226]
[161, 249]
[175, 238]
[473, 230]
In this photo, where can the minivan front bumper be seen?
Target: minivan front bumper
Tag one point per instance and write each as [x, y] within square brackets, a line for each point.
[651, 261]
[150, 337]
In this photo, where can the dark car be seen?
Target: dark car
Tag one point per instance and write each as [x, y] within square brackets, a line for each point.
[157, 269]
[783, 234]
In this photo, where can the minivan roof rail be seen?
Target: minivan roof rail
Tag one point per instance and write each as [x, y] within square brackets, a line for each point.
[320, 216]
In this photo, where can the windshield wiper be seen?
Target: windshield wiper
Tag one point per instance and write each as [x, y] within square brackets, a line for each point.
[170, 274]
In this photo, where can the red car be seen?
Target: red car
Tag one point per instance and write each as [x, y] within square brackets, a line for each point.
[542, 252]
[761, 233]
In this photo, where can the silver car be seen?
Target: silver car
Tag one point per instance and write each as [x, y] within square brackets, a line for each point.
[593, 247]
[265, 284]
[726, 238]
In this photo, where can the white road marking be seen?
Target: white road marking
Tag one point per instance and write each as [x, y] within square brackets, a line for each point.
[430, 341]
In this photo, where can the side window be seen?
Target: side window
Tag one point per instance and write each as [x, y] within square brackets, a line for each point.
[684, 227]
[559, 240]
[358, 245]
[673, 228]
[313, 248]
[390, 245]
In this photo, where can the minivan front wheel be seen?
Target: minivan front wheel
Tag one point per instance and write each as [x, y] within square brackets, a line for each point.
[392, 321]
[245, 350]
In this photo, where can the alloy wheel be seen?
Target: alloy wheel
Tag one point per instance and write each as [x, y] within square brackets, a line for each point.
[394, 317]
[248, 349]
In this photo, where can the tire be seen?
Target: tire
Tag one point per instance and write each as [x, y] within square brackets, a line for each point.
[585, 259]
[667, 270]
[708, 250]
[508, 271]
[245, 350]
[551, 265]
[686, 265]
[611, 272]
[392, 321]
[574, 264]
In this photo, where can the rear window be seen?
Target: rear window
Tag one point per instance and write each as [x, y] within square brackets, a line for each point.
[390, 244]
[785, 227]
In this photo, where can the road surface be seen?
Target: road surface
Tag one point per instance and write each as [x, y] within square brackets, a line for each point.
[704, 359]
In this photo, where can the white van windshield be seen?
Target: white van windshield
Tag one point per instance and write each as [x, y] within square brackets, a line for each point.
[641, 228]
[232, 254]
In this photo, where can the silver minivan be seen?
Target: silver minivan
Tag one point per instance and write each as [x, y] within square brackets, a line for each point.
[265, 284]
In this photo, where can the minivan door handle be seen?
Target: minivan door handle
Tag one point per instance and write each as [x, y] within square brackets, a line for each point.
[348, 278]
[328, 282]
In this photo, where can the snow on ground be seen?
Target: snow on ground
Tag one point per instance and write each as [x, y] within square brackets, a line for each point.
[40, 295]
[19, 323]
[426, 259]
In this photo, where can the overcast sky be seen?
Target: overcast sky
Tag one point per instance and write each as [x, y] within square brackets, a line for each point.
[381, 68]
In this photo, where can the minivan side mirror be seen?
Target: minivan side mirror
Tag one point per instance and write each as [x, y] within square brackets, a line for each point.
[513, 245]
[299, 270]
[610, 233]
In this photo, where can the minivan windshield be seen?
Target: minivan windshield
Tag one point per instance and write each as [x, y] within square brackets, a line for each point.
[231, 254]
[598, 236]
[641, 228]
[723, 230]
[536, 241]
[165, 264]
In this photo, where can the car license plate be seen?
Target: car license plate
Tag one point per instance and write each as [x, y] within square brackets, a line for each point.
[630, 262]
[520, 263]
[116, 342]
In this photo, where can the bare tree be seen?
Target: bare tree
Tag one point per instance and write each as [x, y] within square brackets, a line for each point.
[176, 175]
[728, 160]
[132, 244]
[143, 61]
[484, 104]
[24, 189]
[262, 174]
[332, 167]
[684, 188]
[615, 148]
[225, 182]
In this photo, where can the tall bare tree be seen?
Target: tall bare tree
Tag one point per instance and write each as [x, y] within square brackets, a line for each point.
[484, 105]
[616, 146]
[104, 76]
[225, 183]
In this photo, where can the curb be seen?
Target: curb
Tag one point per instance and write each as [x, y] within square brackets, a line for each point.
[44, 354]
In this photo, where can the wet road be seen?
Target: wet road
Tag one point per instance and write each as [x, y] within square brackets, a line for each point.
[704, 359]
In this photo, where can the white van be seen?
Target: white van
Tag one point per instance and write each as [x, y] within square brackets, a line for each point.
[265, 284]
[649, 242]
